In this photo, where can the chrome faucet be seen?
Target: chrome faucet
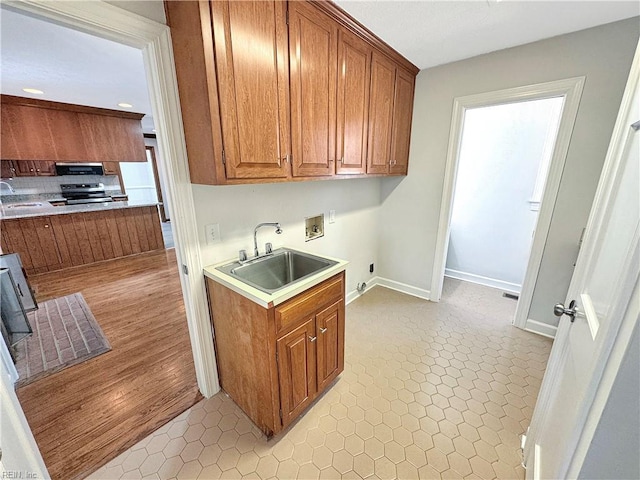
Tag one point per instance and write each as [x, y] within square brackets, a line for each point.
[2, 182]
[255, 235]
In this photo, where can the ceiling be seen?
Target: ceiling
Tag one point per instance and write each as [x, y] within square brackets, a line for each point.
[74, 67]
[431, 33]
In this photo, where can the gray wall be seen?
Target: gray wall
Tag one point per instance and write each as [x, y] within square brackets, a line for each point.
[613, 453]
[411, 206]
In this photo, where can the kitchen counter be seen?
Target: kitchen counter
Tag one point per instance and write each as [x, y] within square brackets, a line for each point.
[267, 300]
[6, 212]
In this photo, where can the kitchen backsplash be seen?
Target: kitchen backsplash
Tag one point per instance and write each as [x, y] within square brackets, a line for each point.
[49, 187]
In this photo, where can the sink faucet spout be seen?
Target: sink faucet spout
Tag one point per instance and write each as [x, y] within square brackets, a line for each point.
[255, 234]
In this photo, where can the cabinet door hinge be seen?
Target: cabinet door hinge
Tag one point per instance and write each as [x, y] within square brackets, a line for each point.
[224, 158]
[287, 16]
[281, 415]
[185, 269]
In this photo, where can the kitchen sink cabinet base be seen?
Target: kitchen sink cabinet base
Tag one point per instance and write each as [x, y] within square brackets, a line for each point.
[274, 362]
[54, 242]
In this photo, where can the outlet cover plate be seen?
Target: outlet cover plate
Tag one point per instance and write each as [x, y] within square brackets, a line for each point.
[212, 233]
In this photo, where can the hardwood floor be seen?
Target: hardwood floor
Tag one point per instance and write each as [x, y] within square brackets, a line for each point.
[87, 414]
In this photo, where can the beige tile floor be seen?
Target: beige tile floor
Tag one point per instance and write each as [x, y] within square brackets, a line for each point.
[429, 391]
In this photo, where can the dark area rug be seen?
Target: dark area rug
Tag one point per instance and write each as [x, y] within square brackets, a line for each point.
[65, 333]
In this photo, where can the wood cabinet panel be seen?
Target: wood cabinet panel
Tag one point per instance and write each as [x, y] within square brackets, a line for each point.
[250, 39]
[313, 62]
[7, 169]
[380, 114]
[245, 110]
[60, 241]
[354, 74]
[274, 373]
[39, 130]
[298, 308]
[25, 133]
[330, 350]
[402, 115]
[297, 370]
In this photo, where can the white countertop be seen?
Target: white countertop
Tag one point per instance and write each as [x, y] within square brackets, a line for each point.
[267, 300]
[7, 213]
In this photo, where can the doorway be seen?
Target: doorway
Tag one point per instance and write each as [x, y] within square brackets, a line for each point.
[568, 92]
[106, 21]
[504, 159]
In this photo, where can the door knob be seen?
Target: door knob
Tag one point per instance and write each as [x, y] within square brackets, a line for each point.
[559, 310]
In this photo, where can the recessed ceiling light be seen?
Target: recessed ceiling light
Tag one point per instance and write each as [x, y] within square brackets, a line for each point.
[33, 90]
[125, 105]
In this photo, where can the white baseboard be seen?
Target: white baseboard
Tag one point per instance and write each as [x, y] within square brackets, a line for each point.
[404, 288]
[392, 285]
[541, 328]
[486, 281]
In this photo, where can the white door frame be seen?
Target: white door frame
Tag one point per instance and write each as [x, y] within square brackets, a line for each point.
[611, 355]
[154, 40]
[571, 90]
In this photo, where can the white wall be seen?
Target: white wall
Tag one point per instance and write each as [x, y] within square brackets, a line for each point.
[613, 453]
[411, 206]
[239, 208]
[492, 220]
[152, 9]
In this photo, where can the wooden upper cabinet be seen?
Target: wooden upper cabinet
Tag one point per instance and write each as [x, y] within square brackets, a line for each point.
[279, 90]
[354, 75]
[402, 113]
[313, 63]
[112, 139]
[383, 77]
[250, 39]
[39, 130]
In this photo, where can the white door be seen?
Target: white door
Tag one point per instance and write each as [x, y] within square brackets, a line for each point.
[606, 273]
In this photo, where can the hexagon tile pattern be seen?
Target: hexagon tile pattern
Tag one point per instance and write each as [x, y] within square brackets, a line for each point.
[429, 391]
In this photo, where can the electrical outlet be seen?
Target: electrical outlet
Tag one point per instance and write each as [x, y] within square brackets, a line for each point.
[212, 233]
[371, 268]
[332, 216]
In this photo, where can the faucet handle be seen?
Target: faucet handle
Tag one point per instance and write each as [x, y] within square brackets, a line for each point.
[242, 255]
[268, 248]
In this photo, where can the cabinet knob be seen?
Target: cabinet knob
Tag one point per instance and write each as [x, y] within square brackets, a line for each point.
[37, 169]
[312, 339]
[322, 330]
[31, 169]
[46, 225]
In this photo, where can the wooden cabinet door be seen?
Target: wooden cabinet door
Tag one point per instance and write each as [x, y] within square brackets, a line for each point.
[44, 169]
[297, 370]
[25, 133]
[383, 75]
[25, 168]
[330, 349]
[250, 39]
[401, 131]
[112, 138]
[34, 239]
[7, 169]
[354, 75]
[313, 64]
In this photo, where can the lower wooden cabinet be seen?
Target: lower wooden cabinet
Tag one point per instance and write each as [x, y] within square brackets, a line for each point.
[54, 242]
[274, 362]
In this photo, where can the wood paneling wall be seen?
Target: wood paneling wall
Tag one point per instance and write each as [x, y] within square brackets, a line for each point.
[55, 242]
